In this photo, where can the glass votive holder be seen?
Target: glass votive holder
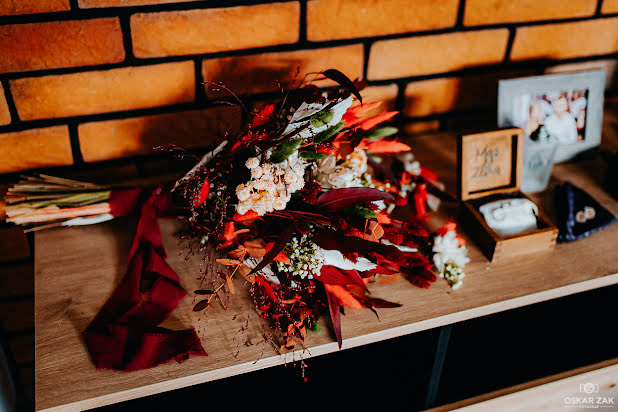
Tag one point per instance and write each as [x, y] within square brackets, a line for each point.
[537, 164]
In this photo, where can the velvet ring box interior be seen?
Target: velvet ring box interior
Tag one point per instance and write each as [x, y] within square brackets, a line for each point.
[489, 170]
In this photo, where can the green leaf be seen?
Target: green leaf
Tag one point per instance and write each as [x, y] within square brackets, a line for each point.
[329, 133]
[382, 132]
[316, 327]
[321, 118]
[285, 149]
[360, 211]
[312, 155]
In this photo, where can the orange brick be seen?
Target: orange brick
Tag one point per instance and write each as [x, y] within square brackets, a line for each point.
[10, 7]
[104, 91]
[442, 95]
[139, 135]
[501, 11]
[213, 30]
[344, 19]
[609, 6]
[5, 116]
[566, 40]
[35, 148]
[264, 72]
[436, 53]
[85, 4]
[48, 45]
[385, 94]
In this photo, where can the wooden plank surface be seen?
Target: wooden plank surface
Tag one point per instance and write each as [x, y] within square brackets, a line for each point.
[566, 393]
[78, 268]
[541, 390]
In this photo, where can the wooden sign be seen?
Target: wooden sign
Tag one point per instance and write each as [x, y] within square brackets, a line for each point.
[489, 162]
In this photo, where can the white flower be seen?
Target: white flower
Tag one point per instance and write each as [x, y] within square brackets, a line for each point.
[336, 259]
[243, 194]
[331, 176]
[252, 162]
[279, 203]
[357, 162]
[256, 172]
[447, 250]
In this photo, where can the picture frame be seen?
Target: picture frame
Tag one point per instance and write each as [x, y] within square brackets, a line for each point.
[568, 106]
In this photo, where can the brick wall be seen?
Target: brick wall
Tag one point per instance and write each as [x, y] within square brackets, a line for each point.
[90, 83]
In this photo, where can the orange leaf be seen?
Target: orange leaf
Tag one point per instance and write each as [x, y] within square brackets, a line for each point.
[387, 279]
[230, 284]
[344, 296]
[387, 146]
[238, 253]
[375, 231]
[228, 262]
[255, 247]
[245, 271]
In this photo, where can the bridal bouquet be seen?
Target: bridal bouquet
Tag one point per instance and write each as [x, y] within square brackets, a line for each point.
[302, 202]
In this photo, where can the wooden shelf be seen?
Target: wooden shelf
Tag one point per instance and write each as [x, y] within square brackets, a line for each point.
[76, 270]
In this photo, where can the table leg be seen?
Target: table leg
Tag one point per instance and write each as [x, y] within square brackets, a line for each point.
[438, 365]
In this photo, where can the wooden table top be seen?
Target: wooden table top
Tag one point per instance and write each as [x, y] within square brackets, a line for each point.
[76, 270]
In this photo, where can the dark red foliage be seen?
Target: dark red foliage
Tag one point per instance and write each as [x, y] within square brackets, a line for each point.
[309, 193]
[338, 199]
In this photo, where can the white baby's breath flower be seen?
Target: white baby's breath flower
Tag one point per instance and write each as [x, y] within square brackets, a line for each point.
[256, 172]
[252, 162]
[279, 203]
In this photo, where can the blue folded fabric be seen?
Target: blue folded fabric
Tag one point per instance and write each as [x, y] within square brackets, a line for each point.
[579, 215]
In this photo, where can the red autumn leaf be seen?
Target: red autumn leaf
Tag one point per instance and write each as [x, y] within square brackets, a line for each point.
[204, 191]
[338, 199]
[229, 235]
[363, 108]
[263, 116]
[387, 146]
[264, 284]
[281, 257]
[249, 216]
[330, 275]
[334, 307]
[343, 295]
[371, 122]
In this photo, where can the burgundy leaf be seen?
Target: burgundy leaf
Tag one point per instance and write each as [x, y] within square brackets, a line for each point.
[381, 303]
[338, 199]
[344, 81]
[277, 247]
[334, 307]
[200, 305]
[334, 276]
[330, 239]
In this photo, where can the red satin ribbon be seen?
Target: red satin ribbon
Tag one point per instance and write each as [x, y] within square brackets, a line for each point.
[124, 335]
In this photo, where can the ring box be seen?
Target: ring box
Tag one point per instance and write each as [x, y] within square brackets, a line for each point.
[489, 168]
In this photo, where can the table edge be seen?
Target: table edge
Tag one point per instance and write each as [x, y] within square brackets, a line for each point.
[348, 343]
